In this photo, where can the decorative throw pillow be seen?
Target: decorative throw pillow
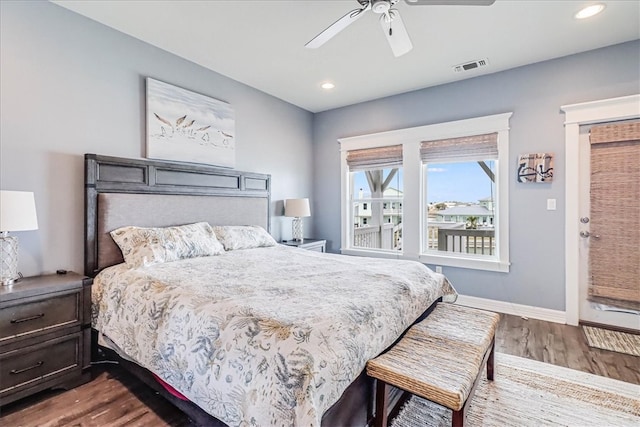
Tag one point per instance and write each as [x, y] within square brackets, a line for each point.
[142, 247]
[243, 236]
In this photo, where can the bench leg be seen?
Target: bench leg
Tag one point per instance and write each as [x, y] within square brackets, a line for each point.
[382, 400]
[490, 360]
[457, 417]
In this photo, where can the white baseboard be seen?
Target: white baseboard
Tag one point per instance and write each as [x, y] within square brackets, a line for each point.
[528, 311]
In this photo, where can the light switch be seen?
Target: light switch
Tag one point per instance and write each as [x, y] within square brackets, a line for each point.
[551, 204]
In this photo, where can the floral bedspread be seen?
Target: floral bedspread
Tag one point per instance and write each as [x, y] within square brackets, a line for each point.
[266, 336]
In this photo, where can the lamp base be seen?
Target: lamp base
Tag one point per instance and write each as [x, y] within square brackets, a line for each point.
[298, 234]
[8, 259]
[8, 282]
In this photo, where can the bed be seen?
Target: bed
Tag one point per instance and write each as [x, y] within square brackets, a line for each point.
[257, 334]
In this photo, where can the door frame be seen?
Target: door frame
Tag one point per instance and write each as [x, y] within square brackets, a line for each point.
[576, 115]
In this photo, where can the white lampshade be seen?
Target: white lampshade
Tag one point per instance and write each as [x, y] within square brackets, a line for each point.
[17, 211]
[297, 208]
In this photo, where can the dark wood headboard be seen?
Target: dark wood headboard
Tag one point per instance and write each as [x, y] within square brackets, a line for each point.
[115, 189]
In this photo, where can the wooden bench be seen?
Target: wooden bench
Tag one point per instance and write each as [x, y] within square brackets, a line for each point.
[438, 359]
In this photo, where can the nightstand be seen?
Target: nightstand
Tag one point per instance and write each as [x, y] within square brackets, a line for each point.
[45, 334]
[309, 244]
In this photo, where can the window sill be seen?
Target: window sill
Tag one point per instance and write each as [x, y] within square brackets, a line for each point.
[372, 254]
[439, 260]
[466, 262]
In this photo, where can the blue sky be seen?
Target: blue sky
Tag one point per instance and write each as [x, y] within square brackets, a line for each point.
[460, 182]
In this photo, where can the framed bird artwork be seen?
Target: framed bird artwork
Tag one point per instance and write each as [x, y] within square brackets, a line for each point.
[186, 126]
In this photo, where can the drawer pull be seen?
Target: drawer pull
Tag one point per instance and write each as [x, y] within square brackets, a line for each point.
[26, 319]
[19, 371]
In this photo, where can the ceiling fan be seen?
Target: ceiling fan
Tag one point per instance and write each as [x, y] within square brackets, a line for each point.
[390, 21]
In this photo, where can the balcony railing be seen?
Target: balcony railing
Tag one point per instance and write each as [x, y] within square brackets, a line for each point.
[385, 236]
[389, 237]
[479, 242]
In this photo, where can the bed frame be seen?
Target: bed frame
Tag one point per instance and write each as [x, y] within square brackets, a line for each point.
[120, 192]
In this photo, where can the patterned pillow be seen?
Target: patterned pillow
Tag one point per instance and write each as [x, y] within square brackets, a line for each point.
[243, 236]
[142, 247]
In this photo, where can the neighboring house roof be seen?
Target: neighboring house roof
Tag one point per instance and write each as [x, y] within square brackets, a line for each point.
[389, 192]
[473, 210]
[393, 192]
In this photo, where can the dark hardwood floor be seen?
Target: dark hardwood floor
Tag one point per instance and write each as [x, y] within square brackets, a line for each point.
[114, 398]
[563, 345]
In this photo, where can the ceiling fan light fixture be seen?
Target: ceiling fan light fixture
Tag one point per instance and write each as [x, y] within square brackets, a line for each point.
[589, 11]
[380, 6]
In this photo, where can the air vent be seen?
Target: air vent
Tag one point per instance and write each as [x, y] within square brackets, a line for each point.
[468, 66]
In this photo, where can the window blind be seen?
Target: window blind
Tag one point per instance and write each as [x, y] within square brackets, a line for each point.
[614, 258]
[375, 158]
[615, 132]
[475, 147]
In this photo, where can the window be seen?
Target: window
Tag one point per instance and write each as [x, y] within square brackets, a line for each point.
[417, 191]
[375, 177]
[459, 176]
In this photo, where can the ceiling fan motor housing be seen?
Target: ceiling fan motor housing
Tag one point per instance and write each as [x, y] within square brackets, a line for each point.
[382, 6]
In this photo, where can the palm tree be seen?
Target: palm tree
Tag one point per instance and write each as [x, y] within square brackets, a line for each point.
[472, 223]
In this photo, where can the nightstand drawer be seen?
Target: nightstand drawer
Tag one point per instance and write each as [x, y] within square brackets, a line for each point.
[45, 336]
[28, 366]
[40, 315]
[315, 245]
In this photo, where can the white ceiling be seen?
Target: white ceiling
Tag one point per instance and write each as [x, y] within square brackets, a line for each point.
[261, 42]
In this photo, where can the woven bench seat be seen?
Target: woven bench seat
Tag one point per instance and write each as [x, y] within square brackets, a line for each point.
[438, 359]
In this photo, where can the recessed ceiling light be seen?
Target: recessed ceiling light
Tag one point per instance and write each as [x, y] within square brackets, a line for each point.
[589, 11]
[327, 85]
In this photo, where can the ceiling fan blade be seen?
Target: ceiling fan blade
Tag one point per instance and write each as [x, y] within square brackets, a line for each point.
[450, 2]
[336, 27]
[396, 33]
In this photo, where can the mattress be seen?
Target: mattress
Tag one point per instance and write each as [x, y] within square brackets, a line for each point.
[264, 336]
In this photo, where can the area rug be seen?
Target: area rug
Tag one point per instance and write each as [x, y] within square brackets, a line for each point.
[530, 393]
[605, 339]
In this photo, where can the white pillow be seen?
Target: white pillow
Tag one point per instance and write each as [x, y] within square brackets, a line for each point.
[142, 247]
[243, 237]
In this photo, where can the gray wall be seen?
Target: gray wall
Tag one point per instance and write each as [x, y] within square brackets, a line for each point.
[534, 94]
[71, 86]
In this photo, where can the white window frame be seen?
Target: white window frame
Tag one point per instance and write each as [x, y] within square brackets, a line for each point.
[414, 202]
[373, 252]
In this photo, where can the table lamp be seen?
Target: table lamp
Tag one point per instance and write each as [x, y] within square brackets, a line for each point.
[17, 213]
[297, 208]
